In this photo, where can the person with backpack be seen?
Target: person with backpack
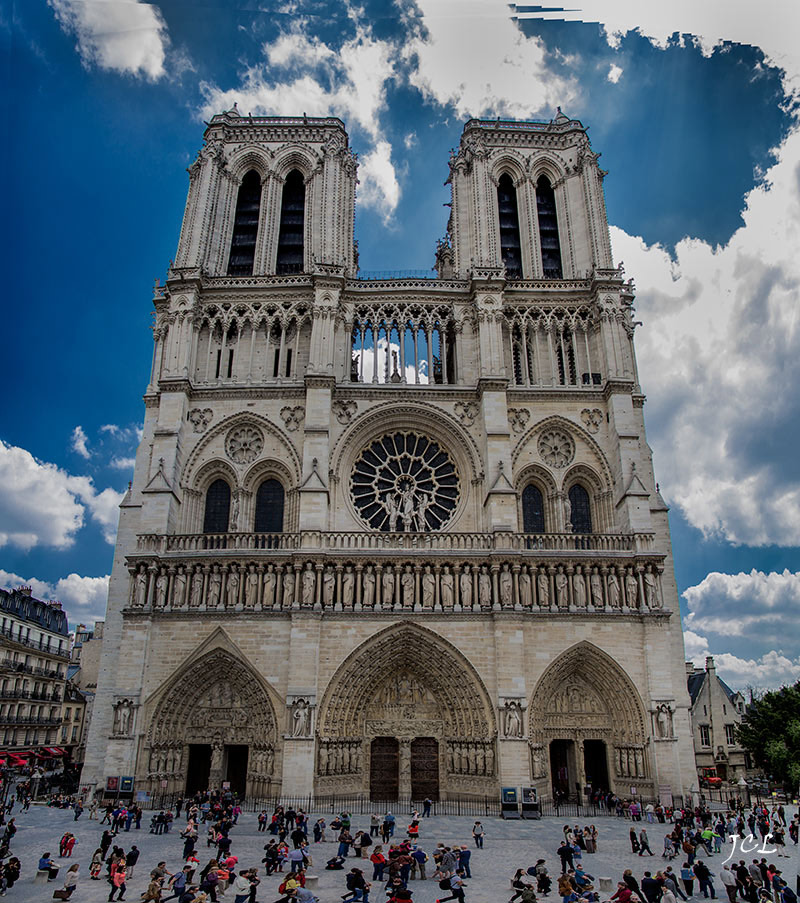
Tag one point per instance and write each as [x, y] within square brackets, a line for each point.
[357, 887]
[456, 886]
[704, 875]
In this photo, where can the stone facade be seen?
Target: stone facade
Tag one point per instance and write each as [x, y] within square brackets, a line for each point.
[393, 536]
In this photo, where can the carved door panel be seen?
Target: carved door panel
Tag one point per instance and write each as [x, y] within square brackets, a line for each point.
[425, 768]
[384, 768]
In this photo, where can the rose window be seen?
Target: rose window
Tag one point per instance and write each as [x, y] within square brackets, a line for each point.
[244, 444]
[556, 448]
[404, 482]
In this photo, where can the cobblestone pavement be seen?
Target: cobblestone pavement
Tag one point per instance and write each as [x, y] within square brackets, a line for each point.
[509, 845]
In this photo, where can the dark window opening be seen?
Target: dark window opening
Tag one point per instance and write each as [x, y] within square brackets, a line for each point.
[230, 363]
[566, 375]
[532, 510]
[269, 508]
[288, 361]
[290, 235]
[580, 513]
[510, 247]
[245, 226]
[218, 504]
[548, 229]
[277, 362]
[219, 361]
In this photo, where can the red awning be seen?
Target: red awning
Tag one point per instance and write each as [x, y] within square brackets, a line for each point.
[21, 758]
[55, 751]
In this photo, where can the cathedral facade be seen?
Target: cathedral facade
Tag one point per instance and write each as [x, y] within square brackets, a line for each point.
[393, 536]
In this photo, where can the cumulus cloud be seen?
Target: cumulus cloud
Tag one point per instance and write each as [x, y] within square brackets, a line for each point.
[78, 442]
[121, 35]
[84, 598]
[122, 463]
[744, 614]
[379, 186]
[43, 505]
[614, 73]
[472, 56]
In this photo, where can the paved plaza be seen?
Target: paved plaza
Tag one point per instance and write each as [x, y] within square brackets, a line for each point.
[509, 845]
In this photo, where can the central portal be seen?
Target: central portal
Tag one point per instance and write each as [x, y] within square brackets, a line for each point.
[384, 768]
[425, 768]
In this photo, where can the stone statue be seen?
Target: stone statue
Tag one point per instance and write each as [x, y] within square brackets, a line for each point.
[387, 587]
[480, 760]
[613, 590]
[309, 585]
[234, 524]
[407, 512]
[179, 588]
[393, 510]
[632, 589]
[407, 583]
[428, 587]
[664, 721]
[268, 600]
[506, 587]
[423, 504]
[538, 762]
[562, 592]
[651, 589]
[579, 590]
[251, 588]
[323, 758]
[348, 585]
[196, 599]
[489, 759]
[485, 588]
[512, 721]
[639, 761]
[301, 718]
[232, 596]
[465, 588]
[122, 718]
[543, 589]
[596, 584]
[161, 589]
[328, 586]
[288, 589]
[345, 758]
[525, 588]
[368, 587]
[140, 589]
[214, 587]
[446, 588]
[270, 760]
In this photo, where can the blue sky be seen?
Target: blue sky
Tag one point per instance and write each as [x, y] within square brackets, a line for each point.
[694, 109]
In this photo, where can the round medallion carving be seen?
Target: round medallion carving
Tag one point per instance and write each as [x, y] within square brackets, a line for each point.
[556, 448]
[404, 482]
[244, 443]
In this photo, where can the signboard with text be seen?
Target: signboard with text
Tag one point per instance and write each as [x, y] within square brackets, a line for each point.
[112, 784]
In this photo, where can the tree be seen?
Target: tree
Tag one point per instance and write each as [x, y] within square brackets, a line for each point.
[770, 731]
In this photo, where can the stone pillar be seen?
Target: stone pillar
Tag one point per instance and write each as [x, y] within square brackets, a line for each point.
[405, 767]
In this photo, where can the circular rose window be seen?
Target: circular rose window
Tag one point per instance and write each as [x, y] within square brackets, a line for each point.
[404, 482]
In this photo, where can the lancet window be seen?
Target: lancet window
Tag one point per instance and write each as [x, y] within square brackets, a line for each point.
[217, 510]
[580, 512]
[290, 235]
[555, 347]
[245, 226]
[510, 246]
[406, 345]
[532, 509]
[269, 507]
[548, 229]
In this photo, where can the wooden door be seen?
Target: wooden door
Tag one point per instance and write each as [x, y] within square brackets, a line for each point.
[384, 768]
[425, 768]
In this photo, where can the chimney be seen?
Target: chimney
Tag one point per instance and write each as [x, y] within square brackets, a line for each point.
[710, 663]
[689, 669]
[25, 591]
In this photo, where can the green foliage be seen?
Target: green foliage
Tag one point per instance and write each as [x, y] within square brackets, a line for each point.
[770, 731]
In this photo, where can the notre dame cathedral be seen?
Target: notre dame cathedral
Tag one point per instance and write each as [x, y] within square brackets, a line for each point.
[393, 536]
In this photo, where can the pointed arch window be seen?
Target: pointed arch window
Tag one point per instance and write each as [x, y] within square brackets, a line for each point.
[580, 512]
[510, 247]
[269, 507]
[245, 226]
[218, 506]
[290, 236]
[532, 510]
[548, 229]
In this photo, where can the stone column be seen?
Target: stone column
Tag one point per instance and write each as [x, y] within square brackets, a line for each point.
[405, 767]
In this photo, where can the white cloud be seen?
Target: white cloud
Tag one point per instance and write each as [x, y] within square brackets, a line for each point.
[121, 35]
[110, 428]
[122, 463]
[410, 140]
[40, 504]
[83, 598]
[614, 73]
[379, 187]
[78, 442]
[471, 55]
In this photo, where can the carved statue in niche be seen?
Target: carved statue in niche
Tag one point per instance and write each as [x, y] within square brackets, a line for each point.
[251, 588]
[232, 595]
[179, 588]
[664, 721]
[368, 587]
[613, 590]
[270, 760]
[543, 589]
[562, 590]
[480, 760]
[387, 587]
[348, 584]
[465, 588]
[506, 587]
[525, 587]
[512, 718]
[214, 587]
[484, 588]
[639, 761]
[196, 599]
[161, 589]
[301, 718]
[489, 760]
[537, 757]
[346, 758]
[424, 502]
[597, 589]
[428, 587]
[632, 589]
[392, 507]
[446, 588]
[407, 583]
[268, 600]
[122, 717]
[328, 586]
[323, 757]
[288, 588]
[579, 589]
[651, 588]
[309, 585]
[140, 587]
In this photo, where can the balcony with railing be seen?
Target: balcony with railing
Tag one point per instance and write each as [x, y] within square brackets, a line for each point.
[41, 645]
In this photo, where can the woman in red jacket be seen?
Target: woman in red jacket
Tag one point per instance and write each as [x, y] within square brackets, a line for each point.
[623, 894]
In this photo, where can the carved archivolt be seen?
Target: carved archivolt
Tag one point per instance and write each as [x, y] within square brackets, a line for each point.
[401, 677]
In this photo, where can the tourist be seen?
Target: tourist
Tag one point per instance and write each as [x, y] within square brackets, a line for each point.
[644, 843]
[374, 824]
[518, 884]
[420, 857]
[565, 854]
[479, 834]
[319, 830]
[704, 875]
[456, 889]
[623, 893]
[426, 807]
[651, 888]
[71, 880]
[379, 863]
[117, 881]
[357, 887]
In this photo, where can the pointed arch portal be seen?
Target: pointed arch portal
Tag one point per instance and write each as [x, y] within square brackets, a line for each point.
[587, 726]
[406, 714]
[213, 722]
